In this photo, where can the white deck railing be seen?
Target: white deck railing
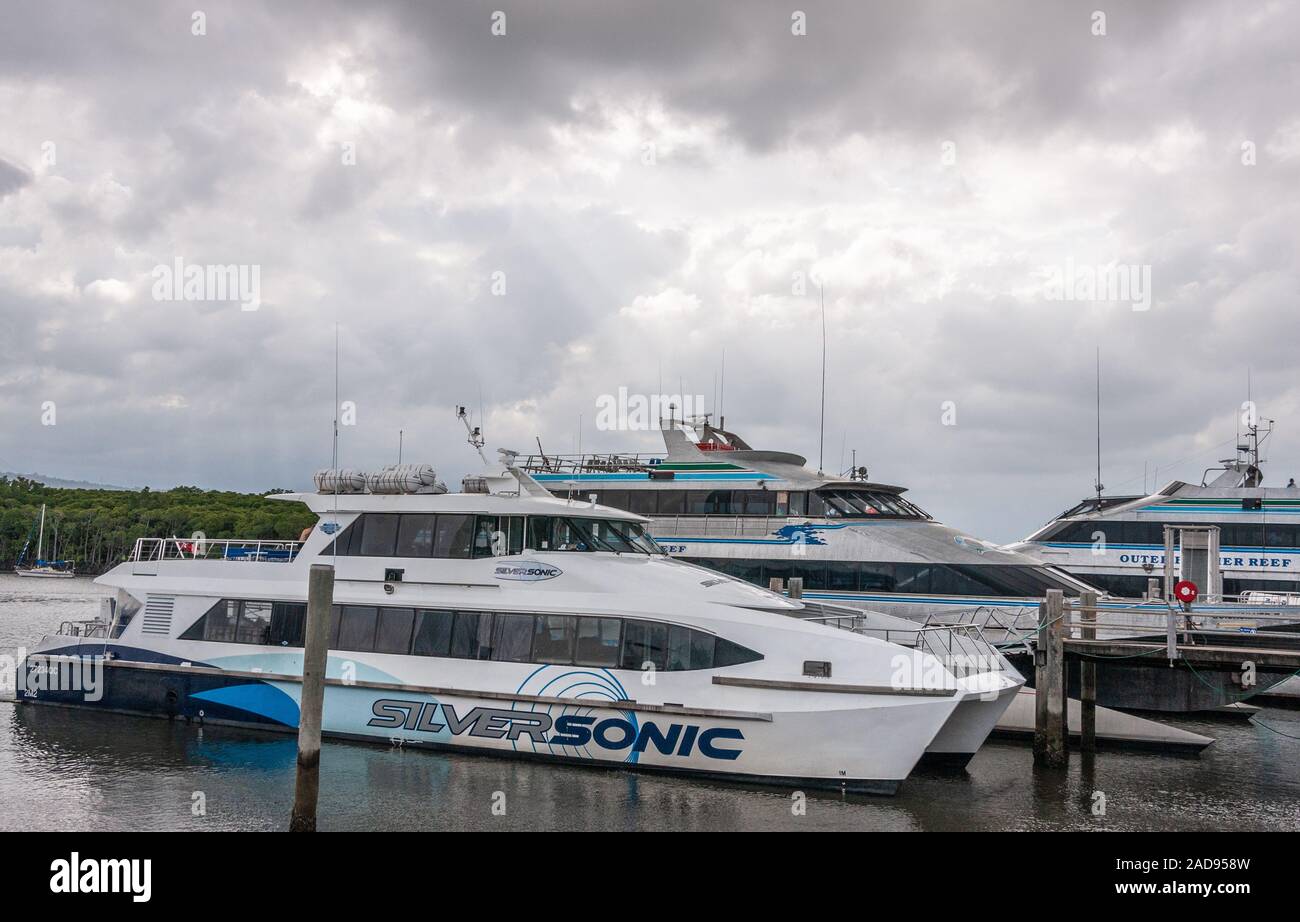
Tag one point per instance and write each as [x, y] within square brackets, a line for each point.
[155, 549]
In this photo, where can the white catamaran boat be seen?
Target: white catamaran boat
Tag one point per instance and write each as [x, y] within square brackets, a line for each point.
[41, 568]
[508, 621]
[1117, 542]
[762, 516]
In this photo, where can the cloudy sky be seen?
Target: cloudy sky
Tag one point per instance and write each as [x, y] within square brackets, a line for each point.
[614, 195]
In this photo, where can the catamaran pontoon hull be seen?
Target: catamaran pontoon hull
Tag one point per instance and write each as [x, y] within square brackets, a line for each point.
[864, 743]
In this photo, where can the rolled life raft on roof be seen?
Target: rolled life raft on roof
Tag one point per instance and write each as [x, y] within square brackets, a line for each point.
[394, 479]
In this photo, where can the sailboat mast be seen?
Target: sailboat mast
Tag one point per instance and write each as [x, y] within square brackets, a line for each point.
[40, 539]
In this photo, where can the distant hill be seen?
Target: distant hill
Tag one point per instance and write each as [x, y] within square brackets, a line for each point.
[62, 484]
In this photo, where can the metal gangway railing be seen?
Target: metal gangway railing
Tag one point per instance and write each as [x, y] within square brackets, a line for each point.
[1268, 597]
[152, 550]
[961, 648]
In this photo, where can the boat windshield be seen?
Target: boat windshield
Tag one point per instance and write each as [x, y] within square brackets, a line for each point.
[564, 533]
[848, 503]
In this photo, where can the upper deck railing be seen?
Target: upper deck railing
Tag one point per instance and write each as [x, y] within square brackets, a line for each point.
[156, 549]
[590, 463]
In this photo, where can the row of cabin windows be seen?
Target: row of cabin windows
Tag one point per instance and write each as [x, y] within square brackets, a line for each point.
[567, 640]
[931, 578]
[423, 535]
[462, 536]
[846, 503]
[1244, 535]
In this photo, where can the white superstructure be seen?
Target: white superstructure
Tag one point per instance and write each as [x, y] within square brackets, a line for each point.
[516, 622]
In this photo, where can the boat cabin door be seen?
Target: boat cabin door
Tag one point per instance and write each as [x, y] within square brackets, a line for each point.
[1192, 553]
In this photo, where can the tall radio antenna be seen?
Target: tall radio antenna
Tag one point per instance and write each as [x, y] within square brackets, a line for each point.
[1098, 483]
[821, 432]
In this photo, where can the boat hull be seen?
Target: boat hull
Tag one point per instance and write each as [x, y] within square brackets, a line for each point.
[44, 574]
[970, 725]
[867, 748]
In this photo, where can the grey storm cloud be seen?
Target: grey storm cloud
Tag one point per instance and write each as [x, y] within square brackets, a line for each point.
[624, 195]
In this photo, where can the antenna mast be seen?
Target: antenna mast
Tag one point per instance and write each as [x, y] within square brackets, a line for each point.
[475, 435]
[821, 432]
[1098, 483]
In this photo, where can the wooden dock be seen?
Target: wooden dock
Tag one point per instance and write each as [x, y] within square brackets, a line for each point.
[1178, 653]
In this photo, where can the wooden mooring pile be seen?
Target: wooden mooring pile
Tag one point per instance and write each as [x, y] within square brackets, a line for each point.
[1067, 639]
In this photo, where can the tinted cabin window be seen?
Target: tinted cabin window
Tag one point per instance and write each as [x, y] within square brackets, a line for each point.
[616, 498]
[455, 536]
[671, 502]
[913, 577]
[952, 581]
[433, 633]
[343, 540]
[842, 575]
[876, 577]
[221, 622]
[379, 536]
[485, 535]
[702, 649]
[539, 532]
[288, 624]
[598, 642]
[336, 615]
[357, 628]
[645, 642]
[771, 571]
[679, 647]
[714, 502]
[415, 536]
[471, 635]
[553, 638]
[812, 574]
[515, 533]
[756, 502]
[726, 653]
[513, 638]
[394, 633]
[642, 502]
[566, 536]
[254, 623]
[1280, 536]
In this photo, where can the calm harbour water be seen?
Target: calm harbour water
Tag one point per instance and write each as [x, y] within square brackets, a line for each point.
[75, 770]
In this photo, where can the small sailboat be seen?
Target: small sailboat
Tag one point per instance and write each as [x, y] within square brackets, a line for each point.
[47, 569]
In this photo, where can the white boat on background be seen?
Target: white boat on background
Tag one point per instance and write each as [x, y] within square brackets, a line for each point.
[508, 621]
[41, 568]
[1117, 542]
[765, 516]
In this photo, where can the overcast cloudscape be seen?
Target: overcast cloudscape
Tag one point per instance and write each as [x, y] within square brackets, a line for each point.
[649, 183]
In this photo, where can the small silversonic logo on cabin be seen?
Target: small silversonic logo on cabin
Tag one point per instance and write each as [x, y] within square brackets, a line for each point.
[103, 875]
[527, 571]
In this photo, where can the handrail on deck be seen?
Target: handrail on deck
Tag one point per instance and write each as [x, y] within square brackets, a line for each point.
[961, 648]
[606, 463]
[148, 550]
